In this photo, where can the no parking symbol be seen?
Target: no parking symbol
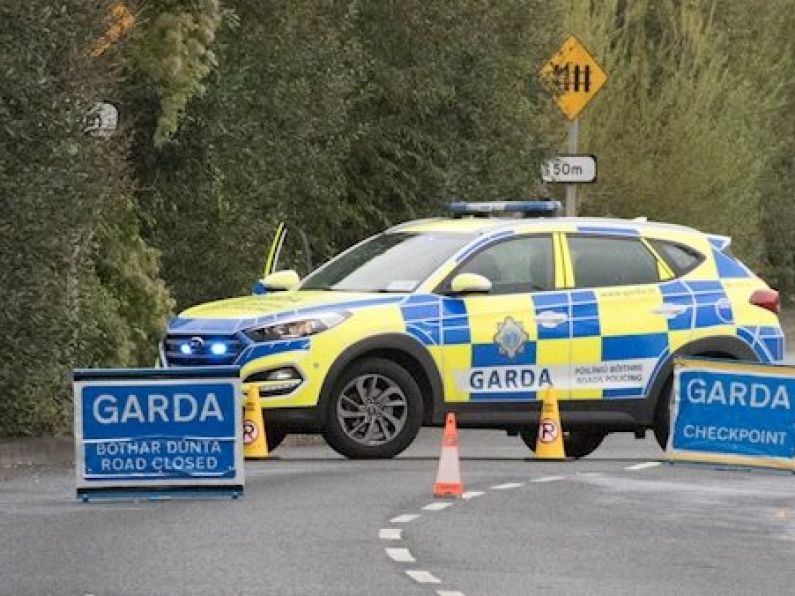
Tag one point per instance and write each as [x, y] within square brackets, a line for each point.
[250, 432]
[548, 430]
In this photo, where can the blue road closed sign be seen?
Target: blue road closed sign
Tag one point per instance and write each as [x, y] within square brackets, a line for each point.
[158, 429]
[732, 412]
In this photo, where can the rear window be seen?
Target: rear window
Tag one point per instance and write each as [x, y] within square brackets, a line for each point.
[599, 261]
[680, 258]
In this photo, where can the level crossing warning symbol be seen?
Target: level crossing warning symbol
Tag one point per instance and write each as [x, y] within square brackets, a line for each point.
[574, 77]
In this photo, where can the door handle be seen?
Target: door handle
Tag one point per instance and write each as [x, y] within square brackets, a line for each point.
[550, 318]
[670, 310]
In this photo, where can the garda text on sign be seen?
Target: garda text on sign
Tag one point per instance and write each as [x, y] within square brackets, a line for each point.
[730, 412]
[138, 428]
[569, 169]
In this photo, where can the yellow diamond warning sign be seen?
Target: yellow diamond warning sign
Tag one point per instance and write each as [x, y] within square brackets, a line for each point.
[574, 77]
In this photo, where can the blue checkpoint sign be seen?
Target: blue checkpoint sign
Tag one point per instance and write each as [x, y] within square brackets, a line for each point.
[158, 429]
[733, 412]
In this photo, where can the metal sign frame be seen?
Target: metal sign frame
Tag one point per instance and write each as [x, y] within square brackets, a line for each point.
[740, 456]
[157, 377]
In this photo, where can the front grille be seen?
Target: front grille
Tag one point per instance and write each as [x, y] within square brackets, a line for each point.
[201, 350]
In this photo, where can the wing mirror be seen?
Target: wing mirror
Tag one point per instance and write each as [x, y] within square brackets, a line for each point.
[280, 280]
[470, 283]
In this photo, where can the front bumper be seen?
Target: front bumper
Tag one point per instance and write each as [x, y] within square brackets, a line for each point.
[310, 358]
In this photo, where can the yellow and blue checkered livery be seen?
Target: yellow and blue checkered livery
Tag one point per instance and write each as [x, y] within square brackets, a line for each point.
[596, 307]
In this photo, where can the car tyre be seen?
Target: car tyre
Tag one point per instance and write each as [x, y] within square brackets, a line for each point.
[576, 444]
[662, 414]
[374, 411]
[273, 434]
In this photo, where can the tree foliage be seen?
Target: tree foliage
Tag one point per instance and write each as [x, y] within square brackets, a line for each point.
[679, 130]
[78, 286]
[175, 54]
[447, 113]
[265, 143]
[342, 118]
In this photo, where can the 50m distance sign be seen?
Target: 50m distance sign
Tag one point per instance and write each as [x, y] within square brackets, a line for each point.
[571, 169]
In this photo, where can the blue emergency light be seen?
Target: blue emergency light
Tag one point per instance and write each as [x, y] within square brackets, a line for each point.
[507, 208]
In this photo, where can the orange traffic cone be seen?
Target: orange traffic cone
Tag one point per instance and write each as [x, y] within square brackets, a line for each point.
[448, 478]
[255, 444]
[549, 444]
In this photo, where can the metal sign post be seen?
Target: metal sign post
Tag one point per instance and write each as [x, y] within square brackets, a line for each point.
[571, 188]
[575, 78]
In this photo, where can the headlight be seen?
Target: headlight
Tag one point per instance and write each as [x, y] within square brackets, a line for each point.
[296, 328]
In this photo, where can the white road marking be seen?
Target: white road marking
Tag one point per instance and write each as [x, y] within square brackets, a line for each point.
[449, 593]
[472, 494]
[643, 466]
[506, 486]
[404, 519]
[401, 555]
[437, 506]
[390, 534]
[422, 577]
[590, 474]
[548, 479]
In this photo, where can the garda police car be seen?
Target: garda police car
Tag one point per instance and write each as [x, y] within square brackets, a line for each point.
[473, 314]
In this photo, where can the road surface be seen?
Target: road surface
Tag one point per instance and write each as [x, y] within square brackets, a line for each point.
[313, 523]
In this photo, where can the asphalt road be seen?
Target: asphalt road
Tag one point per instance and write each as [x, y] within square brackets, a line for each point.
[313, 523]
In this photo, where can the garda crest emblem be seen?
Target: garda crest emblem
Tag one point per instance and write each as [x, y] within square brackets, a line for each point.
[510, 337]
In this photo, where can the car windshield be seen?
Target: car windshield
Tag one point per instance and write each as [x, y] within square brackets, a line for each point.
[389, 262]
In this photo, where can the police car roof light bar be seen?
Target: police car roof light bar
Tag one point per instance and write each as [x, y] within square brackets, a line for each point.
[516, 208]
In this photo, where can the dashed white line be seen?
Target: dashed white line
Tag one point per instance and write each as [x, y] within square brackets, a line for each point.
[437, 506]
[401, 555]
[449, 593]
[548, 479]
[390, 534]
[506, 486]
[404, 519]
[643, 466]
[422, 577]
[472, 494]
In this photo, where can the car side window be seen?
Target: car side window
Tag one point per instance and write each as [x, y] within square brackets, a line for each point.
[681, 259]
[598, 261]
[517, 265]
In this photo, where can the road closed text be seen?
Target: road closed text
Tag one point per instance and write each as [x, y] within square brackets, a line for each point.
[159, 455]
